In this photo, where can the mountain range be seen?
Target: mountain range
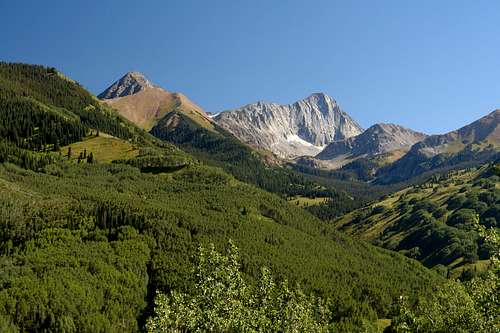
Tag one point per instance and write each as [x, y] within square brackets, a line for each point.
[111, 211]
[314, 131]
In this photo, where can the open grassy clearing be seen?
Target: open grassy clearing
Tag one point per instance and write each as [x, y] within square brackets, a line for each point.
[304, 201]
[105, 148]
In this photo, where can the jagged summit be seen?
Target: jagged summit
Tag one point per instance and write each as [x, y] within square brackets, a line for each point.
[300, 128]
[318, 96]
[129, 84]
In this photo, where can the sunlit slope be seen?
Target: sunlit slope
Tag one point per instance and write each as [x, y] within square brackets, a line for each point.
[433, 222]
[147, 107]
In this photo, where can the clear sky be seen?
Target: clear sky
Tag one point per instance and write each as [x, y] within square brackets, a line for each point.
[430, 65]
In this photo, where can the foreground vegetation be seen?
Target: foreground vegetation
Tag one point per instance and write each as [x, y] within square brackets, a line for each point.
[470, 307]
[223, 302]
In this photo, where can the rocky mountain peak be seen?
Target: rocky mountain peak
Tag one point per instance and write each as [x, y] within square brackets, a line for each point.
[129, 84]
[300, 128]
[319, 97]
[391, 129]
[148, 105]
[322, 101]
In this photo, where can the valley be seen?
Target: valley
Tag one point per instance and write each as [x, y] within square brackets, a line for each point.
[109, 202]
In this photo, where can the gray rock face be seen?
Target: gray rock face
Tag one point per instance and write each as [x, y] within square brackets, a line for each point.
[131, 83]
[302, 128]
[378, 139]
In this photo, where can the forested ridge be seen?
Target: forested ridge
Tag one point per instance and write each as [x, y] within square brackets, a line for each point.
[47, 107]
[85, 246]
[96, 205]
[434, 221]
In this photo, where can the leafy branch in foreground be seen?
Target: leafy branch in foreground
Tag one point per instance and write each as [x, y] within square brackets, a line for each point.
[222, 301]
[470, 307]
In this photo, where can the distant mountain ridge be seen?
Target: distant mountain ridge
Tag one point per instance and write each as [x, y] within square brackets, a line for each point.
[377, 139]
[484, 130]
[301, 128]
[476, 142]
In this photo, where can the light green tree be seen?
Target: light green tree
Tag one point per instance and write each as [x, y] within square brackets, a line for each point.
[470, 307]
[223, 302]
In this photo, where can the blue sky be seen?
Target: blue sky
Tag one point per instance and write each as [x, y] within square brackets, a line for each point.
[429, 65]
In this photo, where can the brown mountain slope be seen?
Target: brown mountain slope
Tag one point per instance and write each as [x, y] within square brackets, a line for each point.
[148, 106]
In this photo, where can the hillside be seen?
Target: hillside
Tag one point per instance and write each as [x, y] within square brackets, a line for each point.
[42, 111]
[164, 217]
[86, 245]
[433, 222]
[104, 148]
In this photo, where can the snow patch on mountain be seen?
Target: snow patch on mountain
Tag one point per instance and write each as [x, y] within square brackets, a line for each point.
[293, 129]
